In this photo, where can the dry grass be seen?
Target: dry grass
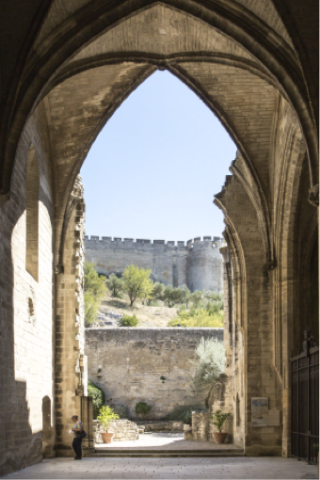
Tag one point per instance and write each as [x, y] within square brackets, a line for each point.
[148, 316]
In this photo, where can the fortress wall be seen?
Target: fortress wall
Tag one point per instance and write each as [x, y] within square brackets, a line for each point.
[127, 364]
[196, 263]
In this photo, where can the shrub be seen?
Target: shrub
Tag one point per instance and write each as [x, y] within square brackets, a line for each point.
[142, 408]
[196, 298]
[197, 318]
[106, 415]
[183, 413]
[127, 321]
[209, 362]
[122, 411]
[98, 397]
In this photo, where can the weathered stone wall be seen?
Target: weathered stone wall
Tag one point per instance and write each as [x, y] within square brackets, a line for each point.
[197, 263]
[26, 322]
[123, 429]
[128, 363]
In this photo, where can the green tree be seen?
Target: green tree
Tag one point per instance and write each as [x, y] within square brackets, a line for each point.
[173, 296]
[147, 291]
[134, 281]
[94, 290]
[158, 291]
[115, 285]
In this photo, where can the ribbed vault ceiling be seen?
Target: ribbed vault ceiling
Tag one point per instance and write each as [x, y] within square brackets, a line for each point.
[264, 9]
[86, 95]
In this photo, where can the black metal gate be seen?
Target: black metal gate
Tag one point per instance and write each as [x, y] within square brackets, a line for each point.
[305, 405]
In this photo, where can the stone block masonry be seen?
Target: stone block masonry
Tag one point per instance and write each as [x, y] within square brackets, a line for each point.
[146, 365]
[196, 263]
[124, 430]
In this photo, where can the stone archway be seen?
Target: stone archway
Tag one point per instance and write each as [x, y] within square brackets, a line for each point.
[80, 62]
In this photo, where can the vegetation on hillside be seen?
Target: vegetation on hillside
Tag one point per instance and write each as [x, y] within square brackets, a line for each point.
[94, 290]
[205, 309]
[128, 321]
[197, 309]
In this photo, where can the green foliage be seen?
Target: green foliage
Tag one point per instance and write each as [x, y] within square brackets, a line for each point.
[106, 415]
[147, 291]
[142, 408]
[219, 418]
[158, 291]
[94, 290]
[208, 314]
[122, 411]
[186, 296]
[197, 318]
[196, 298]
[209, 361]
[135, 282]
[174, 296]
[115, 285]
[127, 321]
[98, 397]
[183, 413]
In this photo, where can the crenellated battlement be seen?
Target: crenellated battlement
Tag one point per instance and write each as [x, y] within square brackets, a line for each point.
[196, 262]
[170, 243]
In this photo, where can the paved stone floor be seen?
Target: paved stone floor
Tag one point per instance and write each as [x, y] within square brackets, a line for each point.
[162, 441]
[169, 468]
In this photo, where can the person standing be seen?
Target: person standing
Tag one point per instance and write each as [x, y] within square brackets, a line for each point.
[77, 441]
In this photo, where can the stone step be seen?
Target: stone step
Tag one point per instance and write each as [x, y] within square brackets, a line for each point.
[167, 453]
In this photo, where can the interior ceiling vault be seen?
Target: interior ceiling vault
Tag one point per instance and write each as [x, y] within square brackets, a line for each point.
[263, 9]
[202, 42]
[85, 95]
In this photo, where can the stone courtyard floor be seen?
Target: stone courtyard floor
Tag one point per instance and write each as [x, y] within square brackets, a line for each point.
[162, 441]
[169, 468]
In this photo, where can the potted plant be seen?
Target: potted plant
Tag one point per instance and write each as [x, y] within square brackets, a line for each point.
[106, 415]
[219, 419]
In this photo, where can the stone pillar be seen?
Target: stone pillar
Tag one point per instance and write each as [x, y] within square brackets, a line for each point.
[70, 375]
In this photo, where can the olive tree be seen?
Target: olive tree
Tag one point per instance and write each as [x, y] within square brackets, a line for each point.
[115, 285]
[136, 283]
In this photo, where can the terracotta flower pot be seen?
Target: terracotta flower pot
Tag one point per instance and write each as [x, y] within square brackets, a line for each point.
[220, 437]
[107, 437]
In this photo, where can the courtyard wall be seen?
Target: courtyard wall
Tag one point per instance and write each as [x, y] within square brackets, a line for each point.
[128, 363]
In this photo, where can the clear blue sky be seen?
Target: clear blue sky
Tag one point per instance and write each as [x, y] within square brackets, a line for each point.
[155, 167]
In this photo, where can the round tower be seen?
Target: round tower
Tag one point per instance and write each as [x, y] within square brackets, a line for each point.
[204, 264]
